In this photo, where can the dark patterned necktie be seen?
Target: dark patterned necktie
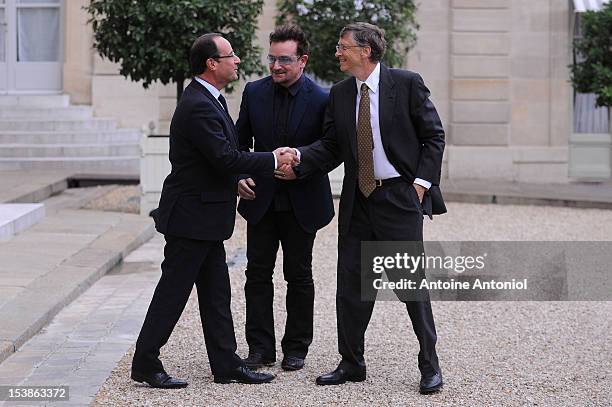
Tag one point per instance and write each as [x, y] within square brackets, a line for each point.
[364, 144]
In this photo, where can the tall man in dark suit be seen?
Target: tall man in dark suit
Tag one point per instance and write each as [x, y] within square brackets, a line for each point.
[196, 213]
[383, 126]
[285, 108]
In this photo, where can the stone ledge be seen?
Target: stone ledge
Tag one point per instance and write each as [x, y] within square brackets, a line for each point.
[34, 186]
[23, 316]
[15, 218]
[574, 195]
[6, 349]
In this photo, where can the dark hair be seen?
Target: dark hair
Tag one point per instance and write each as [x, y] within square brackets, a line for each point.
[291, 32]
[366, 34]
[203, 47]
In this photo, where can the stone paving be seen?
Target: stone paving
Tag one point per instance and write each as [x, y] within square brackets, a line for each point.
[50, 264]
[84, 342]
[492, 353]
[47, 265]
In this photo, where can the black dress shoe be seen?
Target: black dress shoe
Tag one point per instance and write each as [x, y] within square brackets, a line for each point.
[292, 363]
[431, 384]
[243, 374]
[341, 375]
[159, 380]
[256, 360]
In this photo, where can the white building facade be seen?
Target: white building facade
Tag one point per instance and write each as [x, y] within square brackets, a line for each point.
[497, 69]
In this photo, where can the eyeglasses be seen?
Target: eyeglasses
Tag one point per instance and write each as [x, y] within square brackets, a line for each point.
[232, 55]
[282, 60]
[342, 47]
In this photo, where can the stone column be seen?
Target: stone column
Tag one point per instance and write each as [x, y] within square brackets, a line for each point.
[480, 81]
[78, 52]
[430, 57]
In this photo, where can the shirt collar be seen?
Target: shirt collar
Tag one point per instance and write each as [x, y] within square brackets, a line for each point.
[295, 87]
[372, 81]
[214, 91]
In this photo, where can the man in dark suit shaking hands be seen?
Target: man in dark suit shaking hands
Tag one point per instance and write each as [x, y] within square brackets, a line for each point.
[196, 213]
[285, 108]
[382, 125]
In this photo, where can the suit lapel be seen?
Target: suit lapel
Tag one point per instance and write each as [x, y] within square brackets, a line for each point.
[265, 107]
[386, 104]
[299, 109]
[350, 111]
[228, 120]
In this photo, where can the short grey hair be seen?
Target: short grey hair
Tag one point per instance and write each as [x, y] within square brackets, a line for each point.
[368, 35]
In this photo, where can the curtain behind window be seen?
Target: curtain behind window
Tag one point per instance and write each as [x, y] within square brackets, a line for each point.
[38, 34]
[2, 36]
[587, 117]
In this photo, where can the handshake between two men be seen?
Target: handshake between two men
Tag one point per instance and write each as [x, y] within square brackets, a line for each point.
[286, 159]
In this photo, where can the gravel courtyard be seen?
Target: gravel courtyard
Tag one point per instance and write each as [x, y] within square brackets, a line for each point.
[491, 353]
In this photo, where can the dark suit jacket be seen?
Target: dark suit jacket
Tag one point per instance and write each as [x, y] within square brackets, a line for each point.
[411, 132]
[198, 199]
[310, 198]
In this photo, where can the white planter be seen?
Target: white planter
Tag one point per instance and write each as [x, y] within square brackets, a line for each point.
[154, 167]
[591, 156]
[335, 179]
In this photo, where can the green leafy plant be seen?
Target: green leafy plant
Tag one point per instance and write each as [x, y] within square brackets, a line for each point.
[592, 73]
[151, 39]
[322, 21]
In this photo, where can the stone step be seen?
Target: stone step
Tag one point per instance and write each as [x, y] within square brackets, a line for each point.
[75, 198]
[63, 255]
[129, 165]
[20, 151]
[7, 125]
[37, 113]
[31, 186]
[35, 100]
[71, 137]
[15, 218]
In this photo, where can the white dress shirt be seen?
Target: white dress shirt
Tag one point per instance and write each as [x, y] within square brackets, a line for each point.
[213, 91]
[216, 93]
[383, 169]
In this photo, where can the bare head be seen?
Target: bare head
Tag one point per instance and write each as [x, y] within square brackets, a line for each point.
[288, 54]
[212, 58]
[360, 47]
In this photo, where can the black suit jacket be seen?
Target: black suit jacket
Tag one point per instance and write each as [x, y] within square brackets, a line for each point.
[310, 198]
[411, 132]
[198, 199]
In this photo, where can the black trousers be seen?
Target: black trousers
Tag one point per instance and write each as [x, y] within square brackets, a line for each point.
[186, 262]
[263, 240]
[390, 213]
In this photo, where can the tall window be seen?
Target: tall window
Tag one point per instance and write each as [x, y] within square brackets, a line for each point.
[588, 118]
[2, 31]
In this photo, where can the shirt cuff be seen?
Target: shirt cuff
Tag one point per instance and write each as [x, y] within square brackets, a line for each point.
[423, 183]
[299, 155]
[275, 161]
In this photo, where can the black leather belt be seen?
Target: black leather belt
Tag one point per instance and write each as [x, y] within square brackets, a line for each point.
[388, 181]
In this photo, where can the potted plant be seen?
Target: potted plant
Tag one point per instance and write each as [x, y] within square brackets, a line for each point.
[150, 40]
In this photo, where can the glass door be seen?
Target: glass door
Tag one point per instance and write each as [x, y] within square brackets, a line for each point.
[33, 46]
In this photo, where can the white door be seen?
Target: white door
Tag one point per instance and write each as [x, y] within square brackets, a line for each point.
[3, 46]
[31, 47]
